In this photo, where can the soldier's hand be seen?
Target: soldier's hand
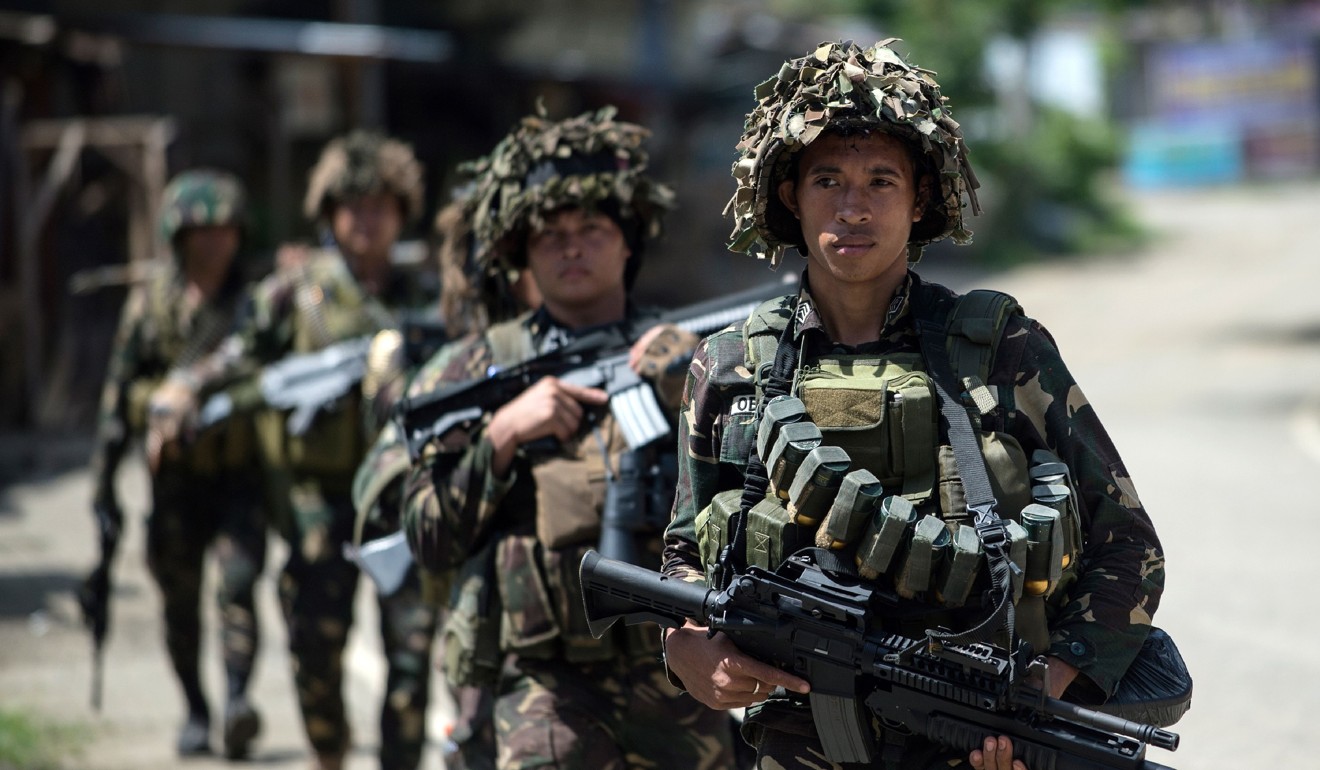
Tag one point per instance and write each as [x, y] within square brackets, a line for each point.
[661, 355]
[171, 408]
[550, 408]
[718, 674]
[995, 754]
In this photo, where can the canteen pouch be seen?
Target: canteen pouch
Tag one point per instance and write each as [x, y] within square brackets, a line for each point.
[471, 631]
[886, 536]
[925, 554]
[853, 506]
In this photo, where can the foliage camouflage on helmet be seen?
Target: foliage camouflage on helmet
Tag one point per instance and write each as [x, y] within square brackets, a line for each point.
[473, 295]
[843, 85]
[364, 163]
[201, 198]
[543, 165]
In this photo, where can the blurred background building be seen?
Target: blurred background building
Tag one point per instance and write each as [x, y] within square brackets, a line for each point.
[1063, 103]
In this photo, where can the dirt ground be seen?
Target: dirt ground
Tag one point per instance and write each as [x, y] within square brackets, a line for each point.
[1201, 354]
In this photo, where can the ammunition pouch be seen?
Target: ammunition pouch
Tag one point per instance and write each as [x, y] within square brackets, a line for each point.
[542, 615]
[471, 632]
[333, 446]
[570, 490]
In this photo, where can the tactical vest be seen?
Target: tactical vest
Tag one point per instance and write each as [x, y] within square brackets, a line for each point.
[536, 609]
[328, 306]
[902, 515]
[177, 342]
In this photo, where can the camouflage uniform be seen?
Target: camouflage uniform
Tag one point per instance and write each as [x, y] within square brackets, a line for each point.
[309, 485]
[1106, 614]
[205, 495]
[469, 297]
[563, 698]
[305, 306]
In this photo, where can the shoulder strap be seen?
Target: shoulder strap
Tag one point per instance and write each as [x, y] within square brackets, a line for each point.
[933, 315]
[762, 332]
[510, 343]
[975, 327]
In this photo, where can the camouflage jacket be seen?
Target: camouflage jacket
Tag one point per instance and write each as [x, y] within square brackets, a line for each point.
[540, 520]
[157, 331]
[303, 307]
[1109, 608]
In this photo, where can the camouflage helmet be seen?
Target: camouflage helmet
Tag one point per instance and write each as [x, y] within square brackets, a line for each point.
[200, 198]
[364, 163]
[840, 85]
[590, 161]
[472, 295]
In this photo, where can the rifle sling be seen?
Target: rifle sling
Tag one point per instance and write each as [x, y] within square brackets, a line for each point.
[975, 479]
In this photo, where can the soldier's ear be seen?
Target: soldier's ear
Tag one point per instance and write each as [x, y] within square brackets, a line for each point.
[788, 196]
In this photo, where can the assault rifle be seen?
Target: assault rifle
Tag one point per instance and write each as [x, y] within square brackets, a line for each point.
[309, 382]
[305, 383]
[815, 624]
[94, 594]
[595, 360]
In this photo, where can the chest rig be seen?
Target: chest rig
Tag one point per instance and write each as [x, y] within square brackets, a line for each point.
[896, 468]
[326, 305]
[521, 593]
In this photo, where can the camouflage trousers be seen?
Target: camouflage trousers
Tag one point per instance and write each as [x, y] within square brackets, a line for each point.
[785, 739]
[317, 587]
[604, 716]
[189, 514]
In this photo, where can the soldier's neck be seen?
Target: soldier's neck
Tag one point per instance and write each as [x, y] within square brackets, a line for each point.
[583, 315]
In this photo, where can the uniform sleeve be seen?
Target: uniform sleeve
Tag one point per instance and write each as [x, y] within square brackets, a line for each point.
[698, 464]
[1109, 608]
[113, 419]
[451, 494]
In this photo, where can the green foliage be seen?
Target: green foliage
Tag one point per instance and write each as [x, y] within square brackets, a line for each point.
[1048, 192]
[29, 744]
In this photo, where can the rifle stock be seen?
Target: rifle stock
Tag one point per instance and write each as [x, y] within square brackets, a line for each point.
[806, 621]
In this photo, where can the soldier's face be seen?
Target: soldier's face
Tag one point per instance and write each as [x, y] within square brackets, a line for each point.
[208, 251]
[856, 198]
[578, 259]
[367, 226]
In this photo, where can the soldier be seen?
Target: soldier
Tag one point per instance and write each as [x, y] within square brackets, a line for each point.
[362, 191]
[852, 157]
[571, 202]
[472, 296]
[206, 493]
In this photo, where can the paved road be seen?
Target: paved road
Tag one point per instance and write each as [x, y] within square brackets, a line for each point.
[1202, 355]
